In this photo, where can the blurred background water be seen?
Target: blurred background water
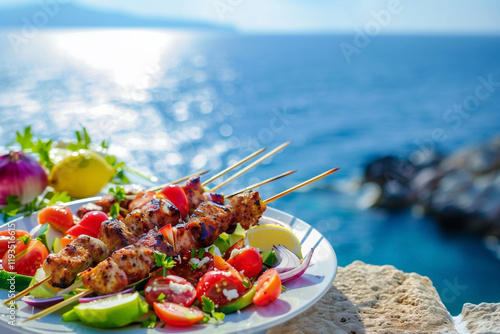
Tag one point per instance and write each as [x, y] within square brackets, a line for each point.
[175, 102]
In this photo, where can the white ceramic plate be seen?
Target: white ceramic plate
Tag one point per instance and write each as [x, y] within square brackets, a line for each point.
[301, 293]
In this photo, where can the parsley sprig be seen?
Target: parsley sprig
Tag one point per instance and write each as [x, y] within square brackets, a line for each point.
[15, 207]
[150, 323]
[119, 194]
[162, 260]
[209, 313]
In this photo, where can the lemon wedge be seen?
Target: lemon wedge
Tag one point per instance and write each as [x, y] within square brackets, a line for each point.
[82, 174]
[265, 236]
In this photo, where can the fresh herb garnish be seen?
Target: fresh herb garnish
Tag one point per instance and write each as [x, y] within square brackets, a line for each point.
[118, 193]
[12, 208]
[193, 253]
[150, 323]
[82, 141]
[209, 313]
[15, 207]
[114, 210]
[25, 239]
[162, 260]
[59, 197]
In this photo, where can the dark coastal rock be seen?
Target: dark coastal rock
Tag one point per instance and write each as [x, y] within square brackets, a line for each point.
[461, 191]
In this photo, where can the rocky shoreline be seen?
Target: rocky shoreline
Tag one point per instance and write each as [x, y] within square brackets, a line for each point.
[368, 299]
[461, 191]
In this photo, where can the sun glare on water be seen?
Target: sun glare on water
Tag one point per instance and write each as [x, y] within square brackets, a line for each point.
[128, 56]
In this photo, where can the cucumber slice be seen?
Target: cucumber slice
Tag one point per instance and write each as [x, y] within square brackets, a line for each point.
[15, 281]
[56, 245]
[47, 234]
[45, 290]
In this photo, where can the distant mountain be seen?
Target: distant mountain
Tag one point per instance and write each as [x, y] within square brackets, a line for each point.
[75, 16]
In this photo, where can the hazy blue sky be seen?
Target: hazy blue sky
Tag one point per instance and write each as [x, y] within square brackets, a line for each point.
[419, 16]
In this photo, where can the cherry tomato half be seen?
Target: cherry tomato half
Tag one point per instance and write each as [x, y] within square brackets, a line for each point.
[268, 288]
[177, 315]
[93, 220]
[248, 262]
[25, 259]
[175, 289]
[6, 235]
[176, 195]
[60, 217]
[220, 286]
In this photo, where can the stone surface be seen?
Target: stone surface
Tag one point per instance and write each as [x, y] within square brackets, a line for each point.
[374, 299]
[461, 191]
[483, 318]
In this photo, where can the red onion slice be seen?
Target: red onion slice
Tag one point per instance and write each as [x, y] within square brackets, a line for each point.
[298, 271]
[42, 302]
[90, 299]
[286, 259]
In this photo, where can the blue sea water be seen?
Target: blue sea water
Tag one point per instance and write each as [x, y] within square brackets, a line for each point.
[173, 103]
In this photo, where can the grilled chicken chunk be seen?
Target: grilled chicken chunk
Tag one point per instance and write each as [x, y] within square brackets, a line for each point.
[247, 209]
[136, 260]
[161, 212]
[194, 192]
[137, 223]
[79, 255]
[116, 234]
[208, 221]
[105, 278]
[205, 225]
[156, 241]
[141, 199]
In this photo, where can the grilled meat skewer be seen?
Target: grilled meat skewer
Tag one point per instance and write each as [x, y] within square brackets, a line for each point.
[80, 254]
[203, 228]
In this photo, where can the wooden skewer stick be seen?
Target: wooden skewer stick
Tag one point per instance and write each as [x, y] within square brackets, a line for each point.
[230, 168]
[178, 180]
[320, 176]
[261, 183]
[56, 307]
[27, 290]
[252, 165]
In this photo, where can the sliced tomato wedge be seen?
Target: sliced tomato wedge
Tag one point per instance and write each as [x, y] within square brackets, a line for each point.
[176, 195]
[12, 236]
[25, 259]
[177, 315]
[175, 289]
[93, 220]
[169, 234]
[60, 217]
[268, 288]
[78, 230]
[248, 262]
[237, 245]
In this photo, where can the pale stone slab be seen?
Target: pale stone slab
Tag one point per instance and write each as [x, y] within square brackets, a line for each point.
[483, 318]
[374, 299]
